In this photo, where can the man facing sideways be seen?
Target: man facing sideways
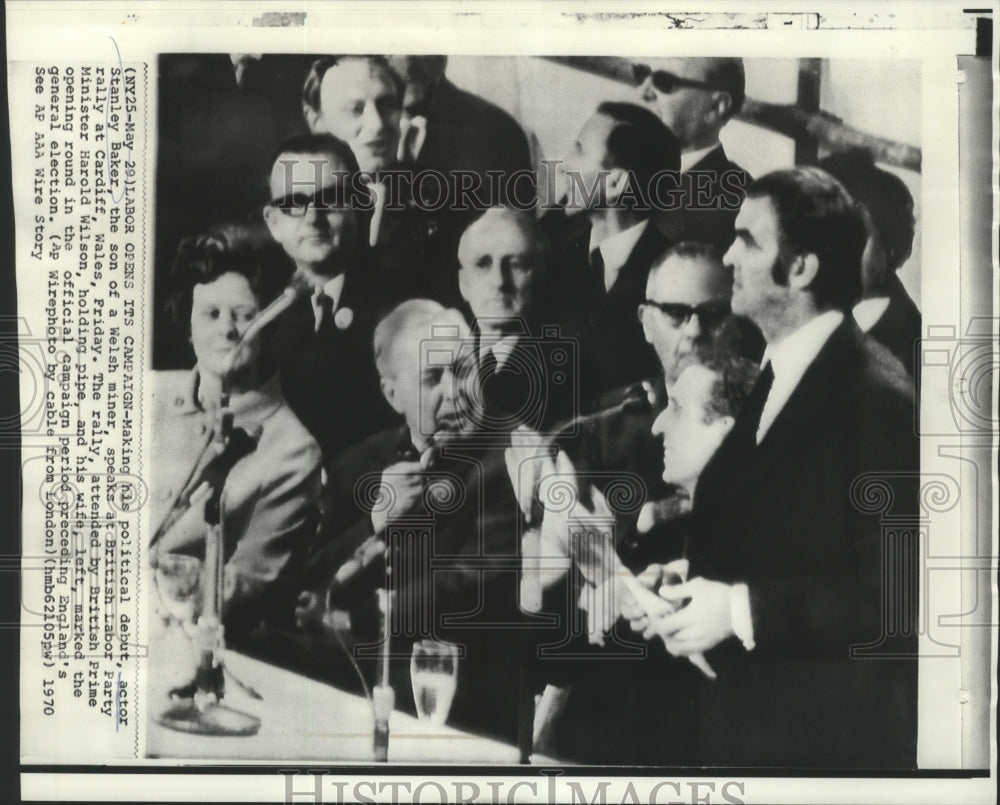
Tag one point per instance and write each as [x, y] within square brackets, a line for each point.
[685, 312]
[802, 605]
[444, 499]
[641, 711]
[695, 98]
[359, 99]
[323, 343]
[886, 312]
[621, 152]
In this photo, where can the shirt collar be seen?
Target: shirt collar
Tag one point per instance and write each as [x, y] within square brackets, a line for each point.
[333, 288]
[691, 158]
[791, 356]
[615, 250]
[867, 312]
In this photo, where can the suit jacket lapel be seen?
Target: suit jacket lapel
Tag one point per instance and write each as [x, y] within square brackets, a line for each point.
[813, 403]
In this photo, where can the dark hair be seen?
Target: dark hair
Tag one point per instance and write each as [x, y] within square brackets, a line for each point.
[727, 75]
[641, 144]
[883, 195]
[691, 250]
[816, 215]
[204, 258]
[314, 80]
[734, 380]
[316, 145]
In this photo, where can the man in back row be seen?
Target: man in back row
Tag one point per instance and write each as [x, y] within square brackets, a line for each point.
[696, 98]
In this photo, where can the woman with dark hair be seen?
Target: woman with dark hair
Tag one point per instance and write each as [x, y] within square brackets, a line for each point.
[269, 500]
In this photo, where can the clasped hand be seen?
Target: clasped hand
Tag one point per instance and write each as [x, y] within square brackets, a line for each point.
[701, 624]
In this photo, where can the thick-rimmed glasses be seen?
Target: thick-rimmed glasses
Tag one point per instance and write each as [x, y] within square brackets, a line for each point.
[710, 314]
[326, 199]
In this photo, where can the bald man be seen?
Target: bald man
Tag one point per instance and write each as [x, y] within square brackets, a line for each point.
[451, 497]
[527, 373]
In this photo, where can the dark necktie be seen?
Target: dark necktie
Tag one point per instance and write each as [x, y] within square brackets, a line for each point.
[597, 271]
[489, 365]
[754, 405]
[326, 312]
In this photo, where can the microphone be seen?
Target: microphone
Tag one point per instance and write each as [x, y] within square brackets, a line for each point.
[568, 437]
[297, 289]
[214, 473]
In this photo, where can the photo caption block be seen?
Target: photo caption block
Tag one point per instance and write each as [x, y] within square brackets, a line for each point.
[81, 238]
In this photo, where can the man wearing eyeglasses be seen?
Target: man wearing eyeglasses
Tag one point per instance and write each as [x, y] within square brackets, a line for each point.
[696, 97]
[685, 314]
[319, 214]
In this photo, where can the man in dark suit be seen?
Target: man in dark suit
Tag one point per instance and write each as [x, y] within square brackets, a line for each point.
[601, 269]
[456, 569]
[801, 602]
[322, 345]
[413, 233]
[529, 378]
[695, 98]
[886, 312]
[449, 130]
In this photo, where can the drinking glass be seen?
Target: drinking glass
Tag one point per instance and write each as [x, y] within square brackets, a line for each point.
[178, 585]
[433, 675]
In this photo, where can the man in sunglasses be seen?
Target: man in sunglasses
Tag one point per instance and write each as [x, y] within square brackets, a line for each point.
[685, 315]
[319, 214]
[696, 97]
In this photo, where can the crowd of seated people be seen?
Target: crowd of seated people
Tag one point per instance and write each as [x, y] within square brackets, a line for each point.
[444, 396]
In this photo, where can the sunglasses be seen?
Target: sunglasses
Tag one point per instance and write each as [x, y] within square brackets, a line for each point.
[326, 199]
[665, 82]
[710, 314]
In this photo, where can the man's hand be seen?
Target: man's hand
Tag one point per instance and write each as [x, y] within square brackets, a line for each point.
[701, 625]
[401, 487]
[527, 458]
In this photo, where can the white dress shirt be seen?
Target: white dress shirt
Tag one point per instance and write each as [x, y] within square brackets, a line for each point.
[331, 288]
[790, 358]
[615, 250]
[867, 312]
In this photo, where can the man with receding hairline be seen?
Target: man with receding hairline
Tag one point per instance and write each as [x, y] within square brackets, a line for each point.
[503, 258]
[456, 568]
[696, 98]
[358, 98]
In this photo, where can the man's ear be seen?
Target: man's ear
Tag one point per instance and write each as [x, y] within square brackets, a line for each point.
[388, 387]
[722, 103]
[803, 270]
[725, 423]
[615, 185]
[271, 218]
[312, 117]
[643, 313]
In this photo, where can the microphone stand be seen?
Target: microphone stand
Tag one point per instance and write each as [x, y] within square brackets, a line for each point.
[203, 713]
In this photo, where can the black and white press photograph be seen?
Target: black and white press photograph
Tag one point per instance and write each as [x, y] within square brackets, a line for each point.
[536, 409]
